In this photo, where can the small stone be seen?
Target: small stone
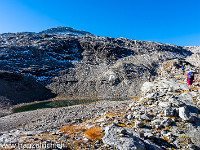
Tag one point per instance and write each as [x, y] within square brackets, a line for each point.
[130, 117]
[129, 141]
[78, 120]
[163, 104]
[169, 112]
[166, 122]
[158, 126]
[54, 133]
[164, 132]
[156, 122]
[141, 135]
[97, 142]
[106, 117]
[191, 146]
[145, 117]
[86, 140]
[64, 137]
[157, 102]
[176, 143]
[102, 124]
[180, 132]
[170, 89]
[125, 116]
[122, 131]
[139, 124]
[35, 139]
[131, 104]
[128, 123]
[121, 135]
[149, 135]
[67, 120]
[132, 108]
[116, 121]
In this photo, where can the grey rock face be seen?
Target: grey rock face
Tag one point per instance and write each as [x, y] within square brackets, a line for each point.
[128, 142]
[164, 85]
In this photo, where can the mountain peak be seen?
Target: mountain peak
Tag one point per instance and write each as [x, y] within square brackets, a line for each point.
[67, 30]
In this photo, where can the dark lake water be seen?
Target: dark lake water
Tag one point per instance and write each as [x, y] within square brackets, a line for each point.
[60, 103]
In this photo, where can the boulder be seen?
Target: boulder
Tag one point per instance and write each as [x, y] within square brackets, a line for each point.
[195, 136]
[186, 98]
[175, 101]
[129, 141]
[184, 114]
[151, 145]
[163, 85]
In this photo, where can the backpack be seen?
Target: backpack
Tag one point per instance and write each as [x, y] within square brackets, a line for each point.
[183, 67]
[191, 75]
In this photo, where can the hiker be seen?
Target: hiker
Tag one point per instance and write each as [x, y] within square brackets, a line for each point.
[190, 78]
[183, 69]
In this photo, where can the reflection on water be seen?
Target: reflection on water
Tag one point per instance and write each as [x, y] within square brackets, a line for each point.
[60, 103]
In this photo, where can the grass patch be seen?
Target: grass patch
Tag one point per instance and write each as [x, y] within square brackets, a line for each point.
[72, 129]
[94, 133]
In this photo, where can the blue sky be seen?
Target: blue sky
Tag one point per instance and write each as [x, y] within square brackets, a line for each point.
[167, 21]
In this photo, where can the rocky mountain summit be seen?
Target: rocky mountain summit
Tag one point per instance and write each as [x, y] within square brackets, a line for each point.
[65, 63]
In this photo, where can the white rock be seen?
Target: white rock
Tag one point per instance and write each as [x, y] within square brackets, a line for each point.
[157, 121]
[164, 104]
[184, 114]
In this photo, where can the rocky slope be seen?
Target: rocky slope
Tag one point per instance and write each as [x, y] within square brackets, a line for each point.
[75, 63]
[16, 89]
[165, 117]
[194, 58]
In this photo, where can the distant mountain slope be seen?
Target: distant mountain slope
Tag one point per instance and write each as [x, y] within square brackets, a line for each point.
[80, 64]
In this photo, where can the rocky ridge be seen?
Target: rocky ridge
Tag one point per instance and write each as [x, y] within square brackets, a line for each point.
[79, 64]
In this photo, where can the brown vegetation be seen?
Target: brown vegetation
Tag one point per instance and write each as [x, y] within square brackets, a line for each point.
[94, 133]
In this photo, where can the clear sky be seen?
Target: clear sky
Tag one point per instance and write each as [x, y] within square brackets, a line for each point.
[167, 21]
